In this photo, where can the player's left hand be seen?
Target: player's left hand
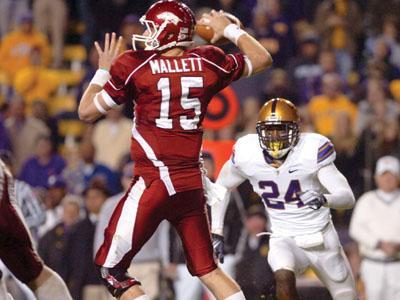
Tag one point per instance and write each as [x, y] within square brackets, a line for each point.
[217, 21]
[110, 51]
[312, 199]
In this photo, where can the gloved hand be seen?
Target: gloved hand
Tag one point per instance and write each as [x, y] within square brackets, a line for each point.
[312, 199]
[218, 245]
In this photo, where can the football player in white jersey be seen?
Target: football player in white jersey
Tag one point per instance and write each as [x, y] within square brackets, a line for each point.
[296, 178]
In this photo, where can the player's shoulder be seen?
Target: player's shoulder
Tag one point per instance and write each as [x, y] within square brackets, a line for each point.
[127, 63]
[207, 50]
[210, 53]
[129, 60]
[314, 138]
[245, 148]
[247, 141]
[315, 148]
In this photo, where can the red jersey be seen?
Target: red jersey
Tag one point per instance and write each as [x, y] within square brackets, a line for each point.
[171, 95]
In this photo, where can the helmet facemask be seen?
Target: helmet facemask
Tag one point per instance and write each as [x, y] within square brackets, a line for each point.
[152, 34]
[149, 39]
[277, 138]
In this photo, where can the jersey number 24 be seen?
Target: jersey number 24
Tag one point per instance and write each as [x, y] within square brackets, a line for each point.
[290, 196]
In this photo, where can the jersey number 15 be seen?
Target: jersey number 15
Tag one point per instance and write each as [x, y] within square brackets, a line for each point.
[164, 87]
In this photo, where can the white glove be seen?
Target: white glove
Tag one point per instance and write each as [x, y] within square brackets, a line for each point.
[212, 191]
[312, 199]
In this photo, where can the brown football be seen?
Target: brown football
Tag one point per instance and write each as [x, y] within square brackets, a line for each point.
[206, 32]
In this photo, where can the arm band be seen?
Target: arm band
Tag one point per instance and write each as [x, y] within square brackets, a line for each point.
[98, 105]
[249, 66]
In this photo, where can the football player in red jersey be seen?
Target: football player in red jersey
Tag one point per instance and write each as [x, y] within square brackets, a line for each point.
[16, 249]
[171, 87]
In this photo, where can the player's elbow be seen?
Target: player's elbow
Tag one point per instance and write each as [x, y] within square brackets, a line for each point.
[261, 61]
[267, 60]
[350, 200]
[85, 115]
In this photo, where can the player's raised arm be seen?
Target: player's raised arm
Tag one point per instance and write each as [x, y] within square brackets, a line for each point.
[93, 105]
[340, 194]
[258, 57]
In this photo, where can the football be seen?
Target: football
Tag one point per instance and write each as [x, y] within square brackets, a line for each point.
[206, 32]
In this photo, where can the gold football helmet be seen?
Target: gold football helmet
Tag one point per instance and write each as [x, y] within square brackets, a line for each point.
[277, 127]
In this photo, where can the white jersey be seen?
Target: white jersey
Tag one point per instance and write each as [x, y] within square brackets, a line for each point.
[278, 187]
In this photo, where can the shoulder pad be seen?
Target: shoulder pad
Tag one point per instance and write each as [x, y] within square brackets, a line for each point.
[326, 152]
[132, 59]
[243, 148]
[317, 149]
[212, 53]
[126, 63]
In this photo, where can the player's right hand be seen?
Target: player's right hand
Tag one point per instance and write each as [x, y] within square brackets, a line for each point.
[110, 52]
[218, 21]
[218, 245]
[312, 199]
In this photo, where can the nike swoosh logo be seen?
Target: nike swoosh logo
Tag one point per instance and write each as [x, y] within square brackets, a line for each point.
[291, 171]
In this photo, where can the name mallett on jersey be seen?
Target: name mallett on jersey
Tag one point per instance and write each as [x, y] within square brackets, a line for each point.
[184, 65]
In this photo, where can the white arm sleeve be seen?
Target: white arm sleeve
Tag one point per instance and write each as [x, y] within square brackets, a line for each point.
[340, 194]
[229, 177]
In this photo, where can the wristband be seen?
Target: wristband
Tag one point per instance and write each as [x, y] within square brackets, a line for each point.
[233, 32]
[101, 77]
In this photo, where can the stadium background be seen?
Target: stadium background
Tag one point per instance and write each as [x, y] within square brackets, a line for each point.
[338, 60]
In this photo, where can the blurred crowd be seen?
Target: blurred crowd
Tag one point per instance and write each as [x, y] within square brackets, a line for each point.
[337, 60]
